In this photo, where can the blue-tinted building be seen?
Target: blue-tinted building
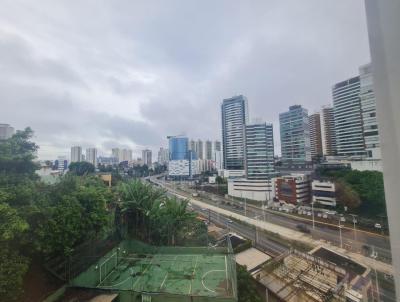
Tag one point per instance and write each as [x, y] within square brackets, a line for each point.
[178, 147]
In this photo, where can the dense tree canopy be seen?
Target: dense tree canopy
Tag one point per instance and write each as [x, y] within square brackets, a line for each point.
[367, 186]
[81, 168]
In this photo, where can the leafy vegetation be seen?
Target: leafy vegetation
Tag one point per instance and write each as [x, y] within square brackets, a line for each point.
[149, 214]
[39, 220]
[81, 168]
[247, 291]
[361, 190]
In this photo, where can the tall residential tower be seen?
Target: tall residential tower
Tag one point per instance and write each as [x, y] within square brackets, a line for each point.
[259, 151]
[295, 135]
[348, 119]
[234, 114]
[315, 135]
[328, 134]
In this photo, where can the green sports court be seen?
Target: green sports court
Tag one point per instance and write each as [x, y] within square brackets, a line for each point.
[140, 272]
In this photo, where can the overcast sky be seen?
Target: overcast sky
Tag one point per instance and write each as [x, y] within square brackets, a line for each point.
[129, 73]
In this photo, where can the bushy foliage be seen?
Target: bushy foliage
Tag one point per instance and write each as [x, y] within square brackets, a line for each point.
[367, 185]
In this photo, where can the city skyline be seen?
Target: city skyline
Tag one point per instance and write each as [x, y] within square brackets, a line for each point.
[129, 95]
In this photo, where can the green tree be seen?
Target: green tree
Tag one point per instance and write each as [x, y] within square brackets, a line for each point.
[81, 168]
[347, 196]
[247, 291]
[13, 266]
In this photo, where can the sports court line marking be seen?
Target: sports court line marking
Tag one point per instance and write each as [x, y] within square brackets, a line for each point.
[101, 265]
[205, 274]
[165, 278]
[134, 284]
[122, 282]
[193, 273]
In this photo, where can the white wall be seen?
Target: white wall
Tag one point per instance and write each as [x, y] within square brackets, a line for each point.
[384, 36]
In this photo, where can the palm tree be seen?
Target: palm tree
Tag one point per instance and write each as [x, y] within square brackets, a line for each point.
[137, 201]
[176, 217]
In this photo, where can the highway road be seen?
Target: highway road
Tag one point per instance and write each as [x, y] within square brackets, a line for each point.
[353, 241]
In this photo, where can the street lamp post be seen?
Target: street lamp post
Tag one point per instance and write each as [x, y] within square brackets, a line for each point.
[340, 234]
[354, 226]
[312, 211]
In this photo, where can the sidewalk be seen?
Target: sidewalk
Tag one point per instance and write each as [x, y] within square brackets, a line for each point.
[295, 235]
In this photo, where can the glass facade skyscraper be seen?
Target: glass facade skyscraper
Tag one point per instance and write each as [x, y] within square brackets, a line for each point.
[295, 135]
[234, 118]
[348, 119]
[178, 147]
[259, 151]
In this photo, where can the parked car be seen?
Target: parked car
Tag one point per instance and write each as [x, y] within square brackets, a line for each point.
[377, 226]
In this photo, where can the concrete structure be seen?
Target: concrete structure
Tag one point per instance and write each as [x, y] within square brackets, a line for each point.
[318, 276]
[108, 160]
[384, 37]
[314, 122]
[234, 117]
[204, 165]
[328, 135]
[217, 146]
[368, 112]
[6, 131]
[122, 154]
[61, 164]
[259, 151]
[163, 156]
[295, 135]
[182, 169]
[348, 119]
[261, 190]
[232, 173]
[208, 150]
[192, 146]
[199, 149]
[218, 160]
[147, 157]
[323, 192]
[76, 154]
[91, 156]
[178, 147]
[293, 188]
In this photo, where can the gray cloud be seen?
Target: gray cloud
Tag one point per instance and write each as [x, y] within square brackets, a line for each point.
[130, 73]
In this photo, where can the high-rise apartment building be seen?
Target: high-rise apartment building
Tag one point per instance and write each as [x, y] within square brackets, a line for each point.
[147, 157]
[76, 154]
[163, 156]
[368, 113]
[217, 146]
[192, 145]
[208, 150]
[328, 134]
[295, 135]
[91, 156]
[234, 113]
[6, 131]
[178, 147]
[348, 119]
[199, 149]
[122, 154]
[259, 151]
[314, 122]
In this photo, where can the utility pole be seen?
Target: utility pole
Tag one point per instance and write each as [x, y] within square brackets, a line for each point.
[313, 219]
[340, 233]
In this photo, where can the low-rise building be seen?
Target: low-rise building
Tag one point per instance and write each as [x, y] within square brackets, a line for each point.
[323, 192]
[261, 190]
[182, 168]
[294, 188]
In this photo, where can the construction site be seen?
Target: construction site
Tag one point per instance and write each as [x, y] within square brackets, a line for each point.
[309, 277]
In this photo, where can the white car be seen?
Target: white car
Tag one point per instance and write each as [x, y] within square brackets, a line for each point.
[378, 226]
[309, 213]
[325, 216]
[319, 214]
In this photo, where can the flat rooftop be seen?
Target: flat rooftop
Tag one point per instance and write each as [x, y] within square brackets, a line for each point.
[172, 271]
